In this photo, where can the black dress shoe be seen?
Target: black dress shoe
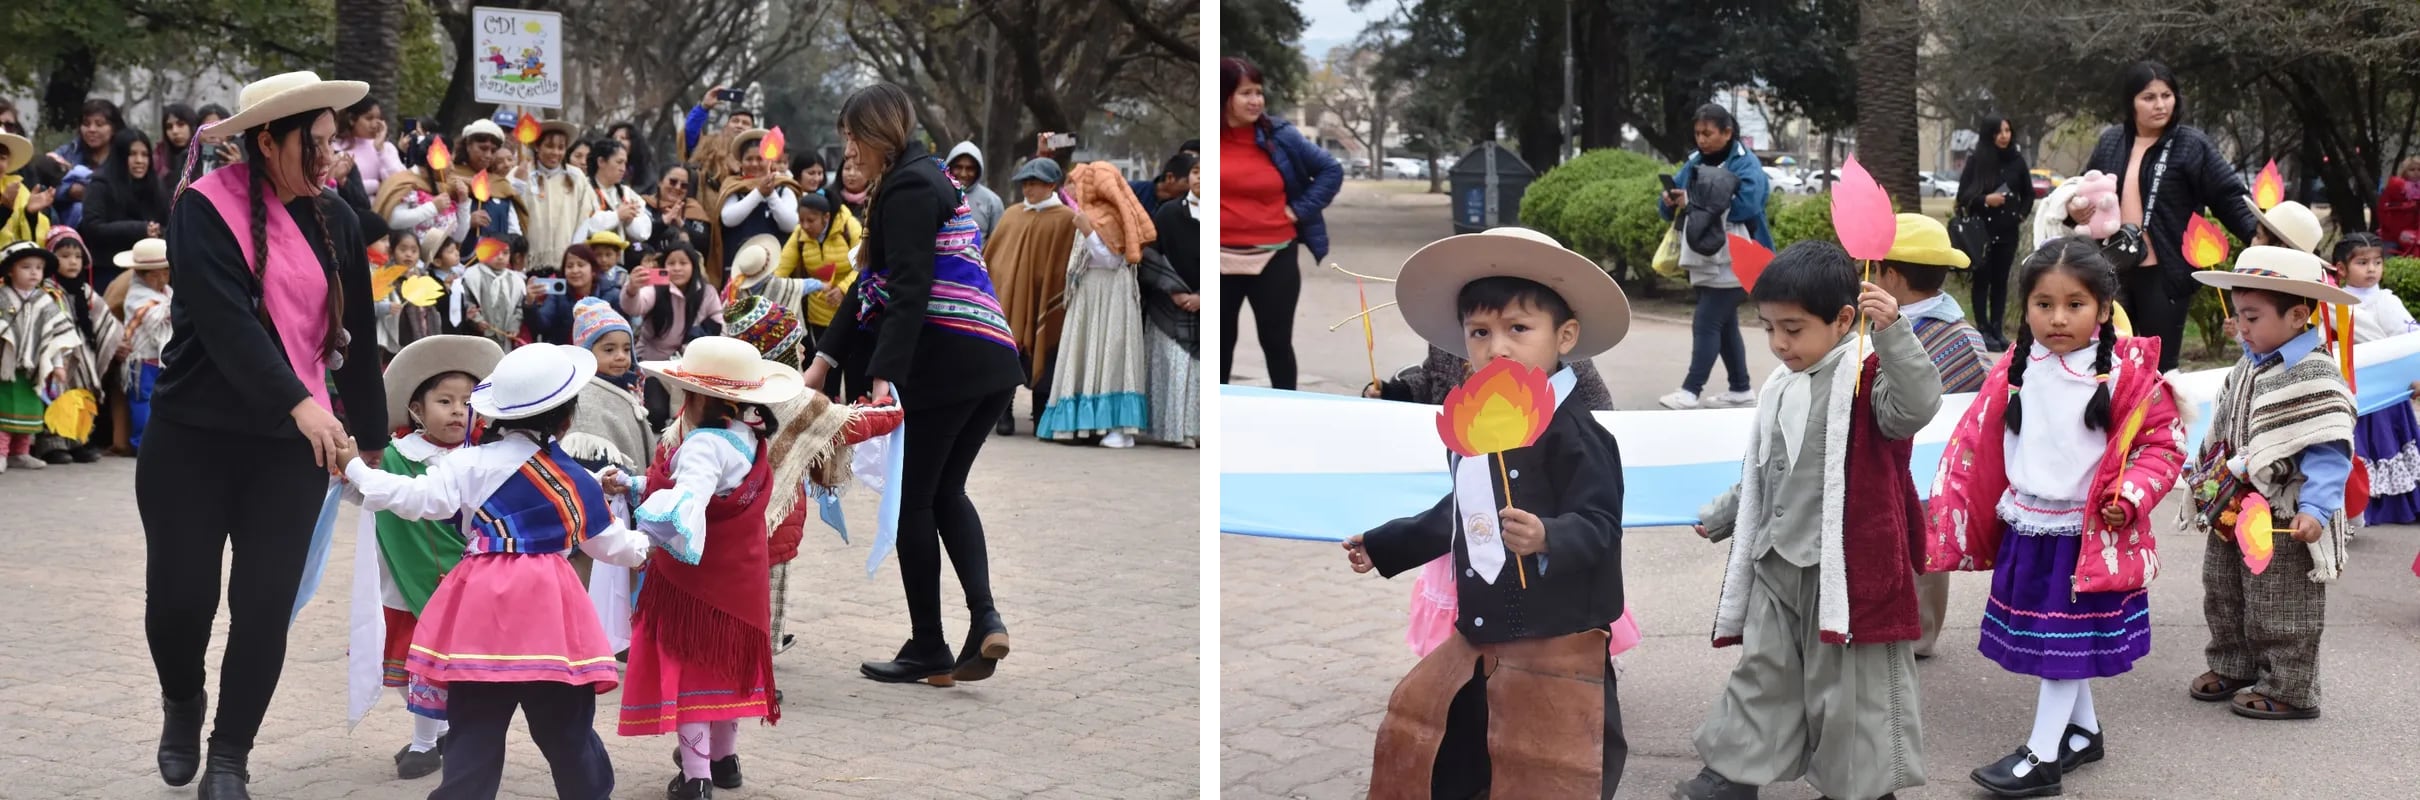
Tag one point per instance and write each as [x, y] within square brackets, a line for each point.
[986, 644]
[181, 738]
[2071, 759]
[725, 771]
[86, 454]
[225, 776]
[1711, 785]
[410, 764]
[56, 457]
[1008, 423]
[928, 661]
[682, 789]
[2001, 779]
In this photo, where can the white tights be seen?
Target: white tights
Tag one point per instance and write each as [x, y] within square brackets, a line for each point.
[2062, 703]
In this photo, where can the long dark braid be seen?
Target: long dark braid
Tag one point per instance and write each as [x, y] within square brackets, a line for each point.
[2084, 262]
[332, 343]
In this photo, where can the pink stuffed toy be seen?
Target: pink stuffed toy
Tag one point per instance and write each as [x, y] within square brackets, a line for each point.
[2097, 195]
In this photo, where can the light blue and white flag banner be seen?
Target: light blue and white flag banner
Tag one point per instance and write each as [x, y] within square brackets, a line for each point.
[1298, 465]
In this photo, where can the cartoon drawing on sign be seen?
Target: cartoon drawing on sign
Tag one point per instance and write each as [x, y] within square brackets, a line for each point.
[495, 55]
[532, 68]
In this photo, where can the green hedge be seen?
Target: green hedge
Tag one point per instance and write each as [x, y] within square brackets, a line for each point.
[1602, 205]
[2403, 277]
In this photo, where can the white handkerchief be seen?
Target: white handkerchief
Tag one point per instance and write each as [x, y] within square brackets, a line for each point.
[1482, 533]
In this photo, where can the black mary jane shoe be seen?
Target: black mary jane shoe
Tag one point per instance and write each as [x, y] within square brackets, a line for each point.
[2001, 779]
[410, 765]
[224, 776]
[181, 738]
[929, 662]
[725, 771]
[986, 644]
[685, 789]
[86, 454]
[2071, 759]
[1710, 785]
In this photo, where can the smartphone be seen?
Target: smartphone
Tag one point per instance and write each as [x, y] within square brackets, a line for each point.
[411, 124]
[731, 95]
[1667, 181]
[659, 278]
[552, 285]
[1060, 141]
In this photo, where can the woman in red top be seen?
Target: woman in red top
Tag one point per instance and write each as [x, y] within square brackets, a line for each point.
[2399, 209]
[1273, 185]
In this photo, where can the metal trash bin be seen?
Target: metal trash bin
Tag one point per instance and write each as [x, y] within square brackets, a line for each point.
[1487, 185]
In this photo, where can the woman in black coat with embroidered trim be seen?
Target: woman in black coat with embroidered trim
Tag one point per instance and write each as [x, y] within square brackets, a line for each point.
[2185, 173]
[1997, 187]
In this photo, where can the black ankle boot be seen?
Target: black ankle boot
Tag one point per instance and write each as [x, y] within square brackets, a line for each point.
[1008, 423]
[181, 738]
[225, 777]
[2001, 778]
[986, 644]
[917, 661]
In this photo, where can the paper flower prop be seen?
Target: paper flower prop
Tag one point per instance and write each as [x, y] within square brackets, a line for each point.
[479, 186]
[2205, 245]
[772, 144]
[1748, 260]
[71, 415]
[2255, 532]
[422, 291]
[382, 279]
[1861, 214]
[440, 158]
[1504, 406]
[2269, 189]
[526, 131]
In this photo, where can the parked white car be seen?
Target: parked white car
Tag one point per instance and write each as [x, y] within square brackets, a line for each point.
[1782, 181]
[1408, 168]
[1937, 185]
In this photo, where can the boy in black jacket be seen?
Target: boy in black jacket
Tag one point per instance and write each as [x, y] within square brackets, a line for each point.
[1530, 636]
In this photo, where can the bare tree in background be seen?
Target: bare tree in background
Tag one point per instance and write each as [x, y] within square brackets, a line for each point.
[1348, 85]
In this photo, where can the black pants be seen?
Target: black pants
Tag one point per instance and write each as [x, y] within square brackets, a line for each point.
[1463, 768]
[562, 720]
[197, 490]
[2156, 305]
[1273, 294]
[1989, 299]
[934, 511]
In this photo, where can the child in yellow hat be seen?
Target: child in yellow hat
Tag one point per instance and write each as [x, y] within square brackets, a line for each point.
[1919, 264]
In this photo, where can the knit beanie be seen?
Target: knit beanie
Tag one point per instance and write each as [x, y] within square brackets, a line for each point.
[592, 318]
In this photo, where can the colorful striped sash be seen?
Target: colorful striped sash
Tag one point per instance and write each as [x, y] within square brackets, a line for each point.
[1957, 351]
[961, 299]
[549, 506]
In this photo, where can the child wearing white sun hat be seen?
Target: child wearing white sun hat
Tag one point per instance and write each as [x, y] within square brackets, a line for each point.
[510, 626]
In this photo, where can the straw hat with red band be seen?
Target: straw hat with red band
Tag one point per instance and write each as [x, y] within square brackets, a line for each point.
[1429, 287]
[279, 96]
[2279, 269]
[727, 368]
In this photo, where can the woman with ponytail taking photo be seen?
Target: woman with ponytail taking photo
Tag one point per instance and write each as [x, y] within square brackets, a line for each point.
[273, 298]
[922, 317]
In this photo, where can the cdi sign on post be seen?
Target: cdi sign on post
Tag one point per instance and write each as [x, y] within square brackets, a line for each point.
[517, 57]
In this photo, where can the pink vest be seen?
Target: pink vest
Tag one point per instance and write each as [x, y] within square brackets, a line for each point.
[294, 284]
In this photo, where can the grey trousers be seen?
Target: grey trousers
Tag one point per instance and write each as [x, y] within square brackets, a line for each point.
[1932, 604]
[2266, 627]
[1845, 717]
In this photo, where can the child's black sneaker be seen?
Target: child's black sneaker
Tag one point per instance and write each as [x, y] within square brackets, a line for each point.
[680, 789]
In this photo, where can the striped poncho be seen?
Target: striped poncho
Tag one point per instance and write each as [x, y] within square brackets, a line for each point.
[2289, 409]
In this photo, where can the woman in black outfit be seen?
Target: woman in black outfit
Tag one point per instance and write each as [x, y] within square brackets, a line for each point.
[2185, 173]
[125, 204]
[1997, 187]
[955, 379]
[243, 440]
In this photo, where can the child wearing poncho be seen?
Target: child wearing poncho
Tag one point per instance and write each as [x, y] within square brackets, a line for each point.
[38, 343]
[509, 626]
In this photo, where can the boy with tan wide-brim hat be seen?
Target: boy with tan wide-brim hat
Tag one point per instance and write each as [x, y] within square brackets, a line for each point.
[2283, 425]
[1524, 677]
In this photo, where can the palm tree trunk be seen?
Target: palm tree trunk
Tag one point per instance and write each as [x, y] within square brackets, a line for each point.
[1887, 36]
[367, 49]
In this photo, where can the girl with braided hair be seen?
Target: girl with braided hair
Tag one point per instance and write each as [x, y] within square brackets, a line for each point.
[273, 298]
[2070, 551]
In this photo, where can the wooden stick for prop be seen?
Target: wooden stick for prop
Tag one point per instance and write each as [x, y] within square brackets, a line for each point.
[1518, 568]
[1369, 338]
[1349, 320]
[1864, 325]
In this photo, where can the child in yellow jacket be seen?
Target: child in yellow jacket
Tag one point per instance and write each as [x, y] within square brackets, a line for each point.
[819, 248]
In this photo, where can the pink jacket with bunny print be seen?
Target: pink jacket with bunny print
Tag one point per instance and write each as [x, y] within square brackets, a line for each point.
[1962, 527]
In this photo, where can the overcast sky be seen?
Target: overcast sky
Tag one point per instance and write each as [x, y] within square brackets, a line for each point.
[1335, 23]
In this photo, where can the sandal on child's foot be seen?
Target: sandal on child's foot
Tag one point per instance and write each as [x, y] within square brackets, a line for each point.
[2001, 778]
[410, 764]
[2071, 758]
[2212, 687]
[685, 789]
[2259, 706]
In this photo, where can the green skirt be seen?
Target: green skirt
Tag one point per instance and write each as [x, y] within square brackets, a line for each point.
[20, 409]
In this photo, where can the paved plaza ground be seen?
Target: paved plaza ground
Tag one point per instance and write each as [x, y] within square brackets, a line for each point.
[1309, 651]
[1095, 557]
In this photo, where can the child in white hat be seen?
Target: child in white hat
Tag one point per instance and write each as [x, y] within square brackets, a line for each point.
[510, 626]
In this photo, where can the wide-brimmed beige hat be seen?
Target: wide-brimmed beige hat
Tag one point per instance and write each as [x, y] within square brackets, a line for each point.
[20, 150]
[2293, 225]
[720, 366]
[2279, 269]
[534, 379]
[571, 133]
[429, 357]
[756, 256]
[739, 146]
[1432, 279]
[480, 127]
[279, 96]
[144, 255]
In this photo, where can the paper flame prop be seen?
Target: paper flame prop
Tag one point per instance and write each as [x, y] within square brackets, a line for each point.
[1504, 406]
[773, 142]
[422, 291]
[2205, 245]
[2255, 533]
[526, 131]
[72, 414]
[440, 158]
[1861, 214]
[1748, 260]
[2268, 190]
[479, 186]
[487, 250]
[382, 279]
